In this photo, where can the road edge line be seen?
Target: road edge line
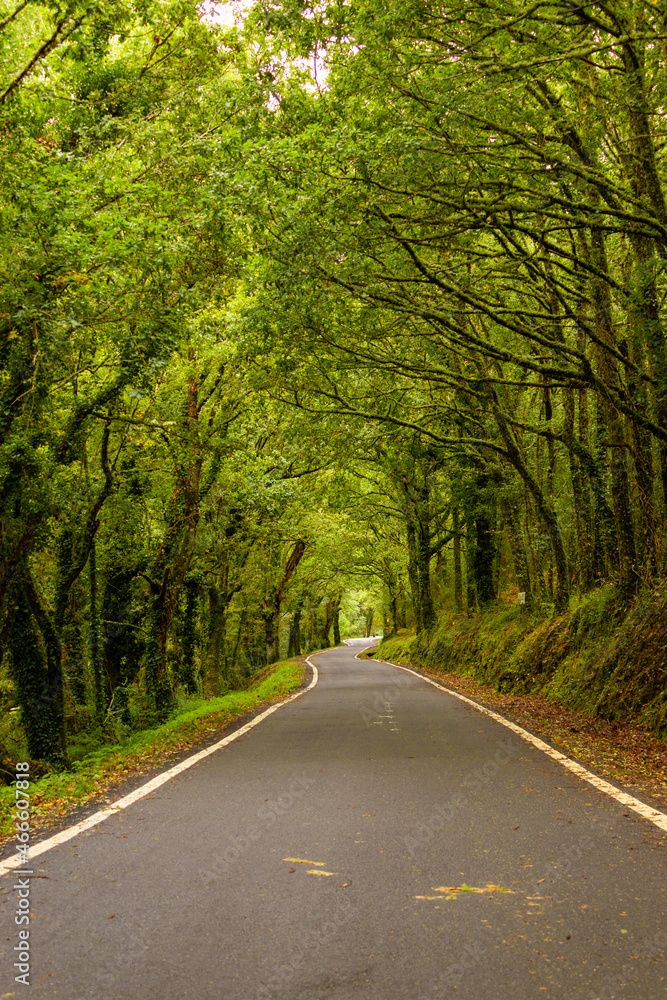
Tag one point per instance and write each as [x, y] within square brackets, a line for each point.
[14, 865]
[656, 817]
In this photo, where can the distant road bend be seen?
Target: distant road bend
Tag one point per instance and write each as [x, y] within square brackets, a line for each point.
[374, 839]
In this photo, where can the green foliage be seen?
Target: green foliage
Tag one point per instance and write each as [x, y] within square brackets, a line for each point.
[284, 359]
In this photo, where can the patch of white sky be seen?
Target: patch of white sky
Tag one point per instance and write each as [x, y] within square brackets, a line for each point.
[223, 13]
[231, 14]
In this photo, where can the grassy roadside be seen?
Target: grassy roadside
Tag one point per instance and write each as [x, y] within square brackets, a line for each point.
[620, 750]
[94, 777]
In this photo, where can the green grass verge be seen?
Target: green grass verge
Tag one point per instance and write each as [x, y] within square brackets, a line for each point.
[56, 794]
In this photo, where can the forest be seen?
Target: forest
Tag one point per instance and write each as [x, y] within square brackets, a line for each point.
[343, 318]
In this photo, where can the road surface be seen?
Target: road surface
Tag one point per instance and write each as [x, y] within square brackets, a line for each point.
[322, 855]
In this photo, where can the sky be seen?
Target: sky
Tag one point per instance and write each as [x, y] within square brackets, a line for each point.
[223, 13]
[232, 13]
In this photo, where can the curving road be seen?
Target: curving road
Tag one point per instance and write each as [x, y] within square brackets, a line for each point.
[382, 790]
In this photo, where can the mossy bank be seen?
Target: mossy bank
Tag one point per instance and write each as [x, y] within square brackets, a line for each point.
[601, 658]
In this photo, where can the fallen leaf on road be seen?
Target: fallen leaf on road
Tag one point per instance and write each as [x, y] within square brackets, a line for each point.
[469, 888]
[303, 861]
[315, 871]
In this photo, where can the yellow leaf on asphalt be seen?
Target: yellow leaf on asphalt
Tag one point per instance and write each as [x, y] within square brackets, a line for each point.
[469, 888]
[315, 871]
[302, 861]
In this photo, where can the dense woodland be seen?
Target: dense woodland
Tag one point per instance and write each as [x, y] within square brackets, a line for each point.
[346, 318]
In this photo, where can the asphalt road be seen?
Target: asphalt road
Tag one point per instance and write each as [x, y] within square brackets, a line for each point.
[384, 790]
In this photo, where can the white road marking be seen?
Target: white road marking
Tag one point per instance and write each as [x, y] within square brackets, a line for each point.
[629, 801]
[12, 863]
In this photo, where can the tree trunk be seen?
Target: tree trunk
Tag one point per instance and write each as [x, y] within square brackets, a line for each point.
[413, 576]
[36, 667]
[274, 599]
[393, 612]
[73, 648]
[94, 636]
[484, 550]
[336, 620]
[562, 592]
[421, 504]
[471, 594]
[294, 644]
[620, 486]
[582, 502]
[174, 558]
[510, 515]
[327, 622]
[311, 628]
[586, 512]
[458, 581]
[189, 633]
[214, 649]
